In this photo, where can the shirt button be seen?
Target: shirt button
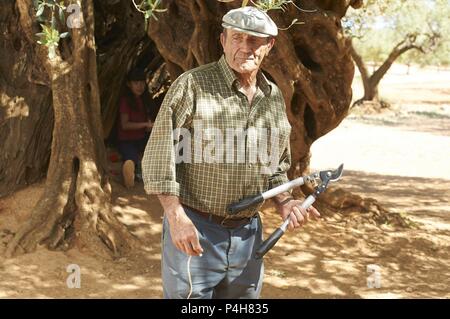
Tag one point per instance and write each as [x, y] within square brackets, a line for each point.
[250, 165]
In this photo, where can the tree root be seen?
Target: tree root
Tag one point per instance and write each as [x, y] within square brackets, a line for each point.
[358, 209]
[362, 106]
[108, 238]
[66, 217]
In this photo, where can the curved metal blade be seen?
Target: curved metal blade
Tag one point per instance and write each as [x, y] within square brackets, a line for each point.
[337, 173]
[331, 176]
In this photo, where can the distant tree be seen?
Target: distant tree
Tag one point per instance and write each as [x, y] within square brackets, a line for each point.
[435, 19]
[381, 23]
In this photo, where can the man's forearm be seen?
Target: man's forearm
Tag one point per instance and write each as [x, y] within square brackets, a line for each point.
[171, 204]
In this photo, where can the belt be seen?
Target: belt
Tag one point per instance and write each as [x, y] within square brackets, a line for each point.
[224, 221]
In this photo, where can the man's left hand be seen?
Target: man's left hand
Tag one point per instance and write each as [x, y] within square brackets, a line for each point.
[299, 215]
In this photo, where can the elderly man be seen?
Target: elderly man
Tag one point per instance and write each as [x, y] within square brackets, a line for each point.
[207, 253]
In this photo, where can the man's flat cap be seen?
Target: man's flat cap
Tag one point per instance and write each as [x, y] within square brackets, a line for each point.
[250, 20]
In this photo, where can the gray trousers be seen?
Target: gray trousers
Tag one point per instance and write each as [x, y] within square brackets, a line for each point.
[227, 269]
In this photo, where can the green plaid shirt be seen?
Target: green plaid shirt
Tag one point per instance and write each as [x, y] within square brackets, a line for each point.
[202, 104]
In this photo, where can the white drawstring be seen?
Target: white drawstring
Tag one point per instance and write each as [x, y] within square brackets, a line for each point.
[189, 276]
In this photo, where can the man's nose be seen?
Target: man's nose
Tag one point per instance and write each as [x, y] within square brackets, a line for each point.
[246, 46]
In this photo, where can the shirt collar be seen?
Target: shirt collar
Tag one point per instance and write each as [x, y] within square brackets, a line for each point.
[263, 83]
[231, 79]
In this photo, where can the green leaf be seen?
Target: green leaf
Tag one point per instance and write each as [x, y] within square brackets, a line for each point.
[62, 17]
[46, 30]
[55, 35]
[40, 10]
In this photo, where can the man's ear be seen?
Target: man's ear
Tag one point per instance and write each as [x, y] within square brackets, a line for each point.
[222, 40]
[271, 44]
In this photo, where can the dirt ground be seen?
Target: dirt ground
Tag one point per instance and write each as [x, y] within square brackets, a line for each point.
[399, 157]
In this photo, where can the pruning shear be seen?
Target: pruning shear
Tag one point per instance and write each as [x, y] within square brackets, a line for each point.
[320, 179]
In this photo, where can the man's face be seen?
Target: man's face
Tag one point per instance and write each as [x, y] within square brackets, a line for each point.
[243, 52]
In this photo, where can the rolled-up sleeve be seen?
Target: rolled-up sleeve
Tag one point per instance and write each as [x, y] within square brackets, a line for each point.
[158, 162]
[284, 163]
[280, 175]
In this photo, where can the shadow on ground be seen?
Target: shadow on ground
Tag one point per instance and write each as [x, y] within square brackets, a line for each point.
[325, 259]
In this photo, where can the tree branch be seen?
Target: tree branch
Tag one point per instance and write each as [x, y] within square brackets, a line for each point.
[408, 43]
[365, 77]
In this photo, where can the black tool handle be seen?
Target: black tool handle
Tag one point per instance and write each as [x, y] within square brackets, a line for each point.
[276, 235]
[235, 208]
[269, 243]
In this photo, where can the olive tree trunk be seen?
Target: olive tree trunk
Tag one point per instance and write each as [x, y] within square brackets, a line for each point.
[75, 208]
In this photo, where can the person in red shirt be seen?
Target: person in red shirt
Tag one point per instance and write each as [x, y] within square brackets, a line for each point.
[136, 116]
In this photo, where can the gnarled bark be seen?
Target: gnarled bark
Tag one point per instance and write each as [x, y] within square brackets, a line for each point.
[122, 44]
[26, 115]
[75, 207]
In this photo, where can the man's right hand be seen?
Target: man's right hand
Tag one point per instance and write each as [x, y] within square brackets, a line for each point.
[183, 232]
